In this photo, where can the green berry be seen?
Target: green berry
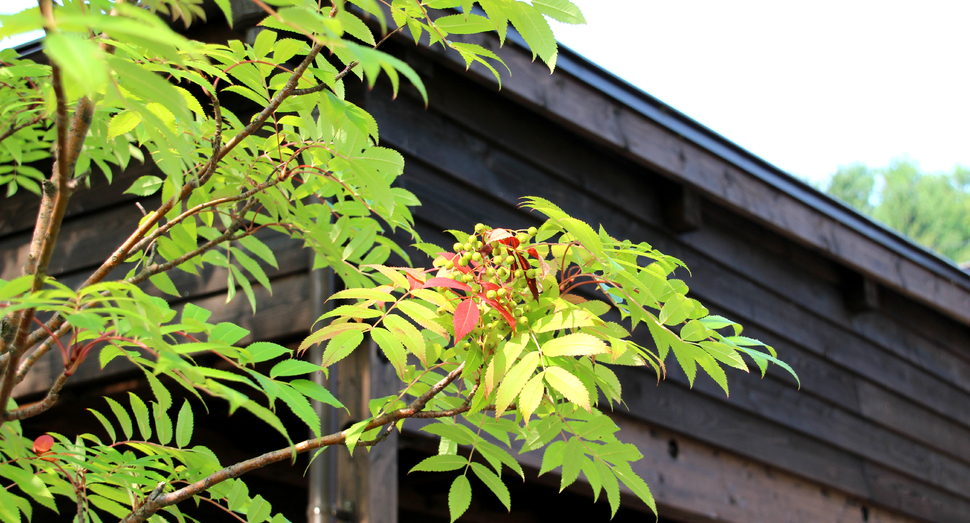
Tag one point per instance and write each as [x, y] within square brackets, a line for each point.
[510, 259]
[491, 295]
[501, 292]
[467, 278]
[457, 247]
[523, 320]
[519, 273]
[468, 246]
[479, 227]
[533, 231]
[449, 265]
[531, 273]
[477, 256]
[471, 239]
[463, 262]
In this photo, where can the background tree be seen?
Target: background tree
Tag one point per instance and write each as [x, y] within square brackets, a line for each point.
[931, 208]
[500, 336]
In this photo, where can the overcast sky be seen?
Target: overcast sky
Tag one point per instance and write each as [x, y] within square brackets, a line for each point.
[807, 86]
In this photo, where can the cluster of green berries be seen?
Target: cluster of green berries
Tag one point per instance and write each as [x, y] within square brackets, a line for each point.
[496, 264]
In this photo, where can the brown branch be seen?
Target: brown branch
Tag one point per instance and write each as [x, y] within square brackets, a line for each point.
[29, 411]
[14, 128]
[208, 169]
[50, 215]
[157, 501]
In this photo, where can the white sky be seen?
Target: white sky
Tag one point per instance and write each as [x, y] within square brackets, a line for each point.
[806, 86]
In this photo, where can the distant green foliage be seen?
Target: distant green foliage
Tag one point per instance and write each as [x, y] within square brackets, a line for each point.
[931, 208]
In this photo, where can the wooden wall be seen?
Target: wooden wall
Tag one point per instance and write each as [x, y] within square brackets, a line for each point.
[880, 429]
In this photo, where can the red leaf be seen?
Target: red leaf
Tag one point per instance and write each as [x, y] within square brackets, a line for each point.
[446, 282]
[511, 242]
[497, 235]
[489, 286]
[43, 444]
[533, 252]
[530, 281]
[466, 318]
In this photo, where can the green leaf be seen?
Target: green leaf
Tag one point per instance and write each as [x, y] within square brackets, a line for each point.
[464, 24]
[164, 284]
[341, 346]
[610, 485]
[123, 419]
[494, 483]
[145, 186]
[675, 310]
[408, 334]
[226, 8]
[293, 367]
[184, 426]
[354, 433]
[265, 351]
[16, 286]
[561, 10]
[363, 294]
[536, 32]
[163, 424]
[80, 60]
[317, 392]
[568, 385]
[228, 333]
[391, 347]
[162, 394]
[104, 422]
[141, 416]
[29, 483]
[576, 344]
[572, 462]
[149, 86]
[301, 407]
[255, 246]
[514, 381]
[259, 510]
[552, 457]
[531, 396]
[123, 122]
[636, 484]
[459, 497]
[355, 27]
[440, 463]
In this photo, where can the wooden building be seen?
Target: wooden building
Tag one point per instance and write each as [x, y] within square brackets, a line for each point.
[877, 328]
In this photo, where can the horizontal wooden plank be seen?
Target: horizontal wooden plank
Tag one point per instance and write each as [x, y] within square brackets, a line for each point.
[694, 482]
[19, 213]
[82, 243]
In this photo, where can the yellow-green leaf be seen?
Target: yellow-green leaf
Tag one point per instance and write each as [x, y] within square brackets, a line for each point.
[577, 344]
[568, 385]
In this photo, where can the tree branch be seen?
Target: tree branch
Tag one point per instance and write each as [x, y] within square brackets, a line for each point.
[157, 501]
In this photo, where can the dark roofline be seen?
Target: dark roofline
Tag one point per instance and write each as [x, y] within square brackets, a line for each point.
[652, 108]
